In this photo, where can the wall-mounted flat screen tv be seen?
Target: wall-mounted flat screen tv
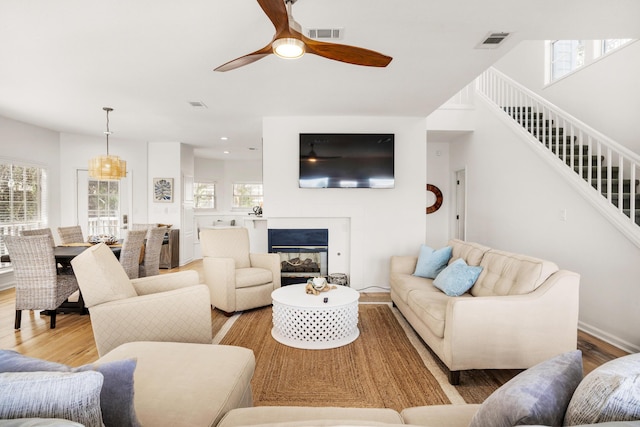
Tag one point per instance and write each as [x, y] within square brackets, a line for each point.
[346, 160]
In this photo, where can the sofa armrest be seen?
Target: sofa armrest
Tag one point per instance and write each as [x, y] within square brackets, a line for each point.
[269, 262]
[165, 282]
[497, 330]
[403, 264]
[180, 315]
[220, 277]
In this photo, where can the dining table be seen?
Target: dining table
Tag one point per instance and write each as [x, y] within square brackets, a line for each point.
[63, 255]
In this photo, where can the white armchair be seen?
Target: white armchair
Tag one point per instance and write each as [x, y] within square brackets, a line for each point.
[237, 280]
[171, 307]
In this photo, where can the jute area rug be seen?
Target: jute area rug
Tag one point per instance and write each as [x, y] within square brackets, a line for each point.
[387, 366]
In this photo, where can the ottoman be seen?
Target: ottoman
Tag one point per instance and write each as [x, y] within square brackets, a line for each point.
[183, 384]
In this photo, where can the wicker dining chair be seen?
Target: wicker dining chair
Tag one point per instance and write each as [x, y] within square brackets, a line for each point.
[72, 234]
[38, 286]
[39, 232]
[151, 264]
[130, 252]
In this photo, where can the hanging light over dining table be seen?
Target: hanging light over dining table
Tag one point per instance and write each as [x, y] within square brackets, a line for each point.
[107, 167]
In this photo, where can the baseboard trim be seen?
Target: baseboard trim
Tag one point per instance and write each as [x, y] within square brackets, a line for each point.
[609, 338]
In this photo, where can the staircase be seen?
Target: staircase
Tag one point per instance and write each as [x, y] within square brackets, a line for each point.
[600, 168]
[580, 158]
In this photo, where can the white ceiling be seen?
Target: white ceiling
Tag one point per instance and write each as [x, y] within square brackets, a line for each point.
[61, 61]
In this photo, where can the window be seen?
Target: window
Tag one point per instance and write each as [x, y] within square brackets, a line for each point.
[612, 44]
[23, 199]
[204, 195]
[104, 207]
[246, 195]
[566, 56]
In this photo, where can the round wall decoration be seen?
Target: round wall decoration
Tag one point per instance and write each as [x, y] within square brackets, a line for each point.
[436, 205]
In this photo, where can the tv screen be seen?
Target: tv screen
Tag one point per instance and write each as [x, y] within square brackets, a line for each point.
[346, 160]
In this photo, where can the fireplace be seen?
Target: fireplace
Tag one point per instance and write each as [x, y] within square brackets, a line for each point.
[303, 253]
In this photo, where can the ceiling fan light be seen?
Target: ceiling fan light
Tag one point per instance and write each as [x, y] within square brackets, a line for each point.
[288, 48]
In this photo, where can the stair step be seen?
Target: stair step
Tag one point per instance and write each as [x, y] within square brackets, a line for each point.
[532, 123]
[518, 109]
[560, 149]
[626, 200]
[626, 185]
[594, 171]
[585, 160]
[637, 215]
[553, 138]
[546, 131]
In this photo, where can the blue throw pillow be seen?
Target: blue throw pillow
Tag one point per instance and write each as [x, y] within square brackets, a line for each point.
[431, 262]
[538, 396]
[116, 395]
[457, 278]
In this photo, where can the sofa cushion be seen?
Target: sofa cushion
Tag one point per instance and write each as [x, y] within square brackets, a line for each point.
[310, 416]
[470, 252]
[116, 394]
[506, 273]
[72, 396]
[404, 284]
[431, 308]
[101, 277]
[611, 392]
[539, 395]
[247, 277]
[431, 261]
[457, 278]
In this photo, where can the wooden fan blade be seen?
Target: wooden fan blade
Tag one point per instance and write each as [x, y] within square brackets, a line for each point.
[277, 13]
[246, 59]
[346, 53]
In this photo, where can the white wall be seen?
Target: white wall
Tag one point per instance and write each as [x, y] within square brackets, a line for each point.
[438, 174]
[75, 152]
[34, 145]
[514, 201]
[381, 222]
[604, 94]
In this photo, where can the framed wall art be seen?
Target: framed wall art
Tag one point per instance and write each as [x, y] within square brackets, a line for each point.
[163, 190]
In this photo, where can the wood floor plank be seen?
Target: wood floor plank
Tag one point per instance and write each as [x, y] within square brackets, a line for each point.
[72, 341]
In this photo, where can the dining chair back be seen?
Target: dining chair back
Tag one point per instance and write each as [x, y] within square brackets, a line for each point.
[39, 232]
[151, 264]
[71, 234]
[131, 251]
[38, 284]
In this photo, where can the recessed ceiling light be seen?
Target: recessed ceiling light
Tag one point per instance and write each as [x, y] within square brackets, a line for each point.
[224, 138]
[226, 152]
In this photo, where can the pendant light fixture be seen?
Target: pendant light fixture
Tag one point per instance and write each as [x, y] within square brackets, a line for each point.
[107, 167]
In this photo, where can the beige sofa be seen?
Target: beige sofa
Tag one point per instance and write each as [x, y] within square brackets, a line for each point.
[521, 310]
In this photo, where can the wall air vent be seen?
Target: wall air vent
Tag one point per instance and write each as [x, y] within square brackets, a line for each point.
[325, 33]
[197, 104]
[492, 40]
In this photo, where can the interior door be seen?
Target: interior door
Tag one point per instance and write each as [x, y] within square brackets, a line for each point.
[121, 215]
[461, 197]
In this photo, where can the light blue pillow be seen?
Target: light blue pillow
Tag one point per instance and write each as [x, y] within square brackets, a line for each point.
[457, 278]
[431, 262]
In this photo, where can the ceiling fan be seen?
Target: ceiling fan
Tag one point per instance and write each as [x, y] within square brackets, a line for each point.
[289, 42]
[312, 156]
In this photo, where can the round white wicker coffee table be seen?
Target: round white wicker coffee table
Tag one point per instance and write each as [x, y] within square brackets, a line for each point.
[303, 320]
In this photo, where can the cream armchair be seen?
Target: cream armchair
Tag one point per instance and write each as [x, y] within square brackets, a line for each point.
[237, 280]
[170, 307]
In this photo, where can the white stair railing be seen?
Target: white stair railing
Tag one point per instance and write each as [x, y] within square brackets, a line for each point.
[607, 168]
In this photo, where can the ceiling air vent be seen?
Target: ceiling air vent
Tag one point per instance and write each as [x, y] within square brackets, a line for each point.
[492, 40]
[325, 33]
[197, 104]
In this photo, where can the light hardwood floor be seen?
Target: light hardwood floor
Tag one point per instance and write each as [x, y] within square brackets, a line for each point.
[71, 342]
